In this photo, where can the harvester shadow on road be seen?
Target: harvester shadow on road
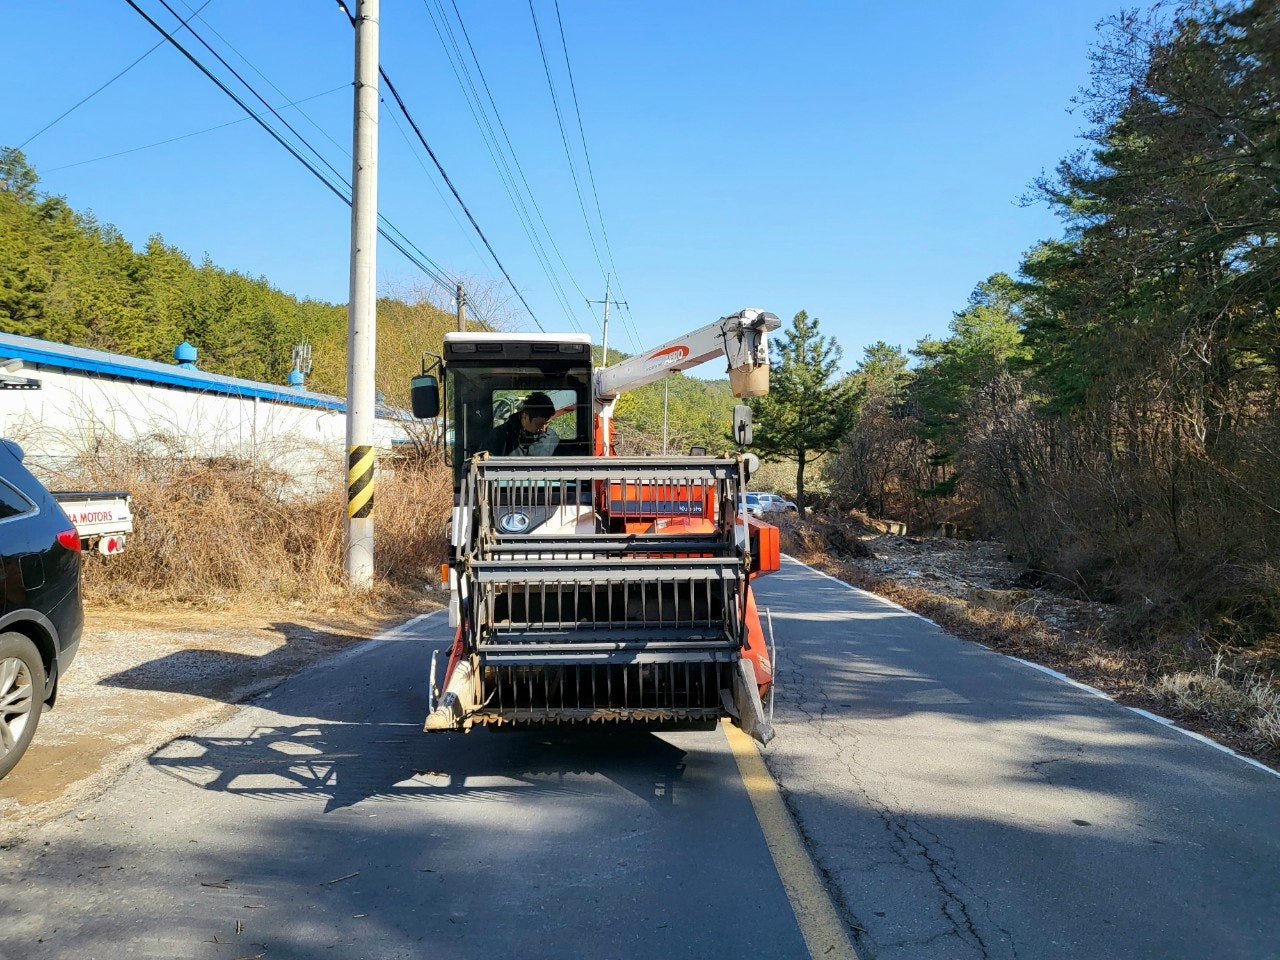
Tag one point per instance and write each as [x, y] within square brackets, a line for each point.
[352, 729]
[345, 763]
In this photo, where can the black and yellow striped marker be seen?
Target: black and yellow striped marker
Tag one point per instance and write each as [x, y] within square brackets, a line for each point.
[360, 461]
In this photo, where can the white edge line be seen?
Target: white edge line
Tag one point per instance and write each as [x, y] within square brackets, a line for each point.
[1163, 721]
[1147, 714]
[393, 632]
[1075, 683]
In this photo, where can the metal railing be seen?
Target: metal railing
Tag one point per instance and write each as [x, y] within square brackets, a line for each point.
[581, 604]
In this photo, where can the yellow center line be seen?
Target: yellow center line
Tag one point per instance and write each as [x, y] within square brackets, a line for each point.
[823, 931]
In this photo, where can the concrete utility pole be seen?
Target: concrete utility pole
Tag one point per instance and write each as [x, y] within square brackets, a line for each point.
[604, 358]
[461, 300]
[362, 312]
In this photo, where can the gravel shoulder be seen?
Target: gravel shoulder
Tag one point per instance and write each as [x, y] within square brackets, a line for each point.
[142, 678]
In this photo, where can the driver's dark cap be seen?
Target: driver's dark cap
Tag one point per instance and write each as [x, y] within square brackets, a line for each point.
[538, 405]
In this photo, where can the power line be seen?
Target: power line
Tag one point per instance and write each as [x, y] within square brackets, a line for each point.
[460, 71]
[582, 133]
[427, 264]
[453, 214]
[454, 190]
[185, 136]
[564, 139]
[80, 103]
[405, 110]
[248, 86]
[345, 198]
[324, 133]
[512, 190]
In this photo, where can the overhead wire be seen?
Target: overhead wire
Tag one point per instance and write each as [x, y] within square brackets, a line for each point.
[448, 182]
[568, 153]
[436, 272]
[582, 133]
[82, 101]
[457, 63]
[517, 198]
[457, 196]
[261, 99]
[446, 203]
[185, 136]
[564, 139]
[387, 233]
[345, 150]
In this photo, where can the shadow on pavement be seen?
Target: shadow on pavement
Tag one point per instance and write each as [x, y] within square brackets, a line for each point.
[345, 763]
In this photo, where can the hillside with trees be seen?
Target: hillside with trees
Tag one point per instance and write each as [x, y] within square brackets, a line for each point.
[67, 278]
[1113, 413]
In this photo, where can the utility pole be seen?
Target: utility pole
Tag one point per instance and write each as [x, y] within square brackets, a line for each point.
[665, 382]
[362, 311]
[604, 360]
[461, 300]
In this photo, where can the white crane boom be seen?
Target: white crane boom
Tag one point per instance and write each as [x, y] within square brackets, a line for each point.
[742, 338]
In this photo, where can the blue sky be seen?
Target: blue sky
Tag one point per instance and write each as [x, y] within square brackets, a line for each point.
[859, 161]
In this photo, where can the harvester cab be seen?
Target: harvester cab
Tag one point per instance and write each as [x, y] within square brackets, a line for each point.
[587, 587]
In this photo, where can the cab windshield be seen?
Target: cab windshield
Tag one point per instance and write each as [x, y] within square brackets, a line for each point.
[485, 412]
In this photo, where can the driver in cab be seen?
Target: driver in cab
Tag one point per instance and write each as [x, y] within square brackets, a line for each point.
[525, 433]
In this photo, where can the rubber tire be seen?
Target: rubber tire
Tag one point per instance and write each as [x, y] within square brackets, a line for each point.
[14, 646]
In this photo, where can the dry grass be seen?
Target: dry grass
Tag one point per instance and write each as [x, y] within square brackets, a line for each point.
[221, 533]
[1247, 701]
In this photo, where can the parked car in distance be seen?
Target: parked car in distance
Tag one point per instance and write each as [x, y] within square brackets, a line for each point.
[41, 612]
[759, 504]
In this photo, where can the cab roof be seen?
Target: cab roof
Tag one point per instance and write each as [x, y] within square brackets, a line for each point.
[521, 337]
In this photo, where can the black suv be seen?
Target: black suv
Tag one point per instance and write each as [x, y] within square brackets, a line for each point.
[41, 616]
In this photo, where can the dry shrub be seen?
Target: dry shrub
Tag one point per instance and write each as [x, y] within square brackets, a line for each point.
[1248, 702]
[1007, 630]
[413, 504]
[1203, 694]
[212, 532]
[1267, 723]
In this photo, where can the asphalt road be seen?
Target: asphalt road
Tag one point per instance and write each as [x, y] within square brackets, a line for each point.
[322, 822]
[958, 803]
[965, 805]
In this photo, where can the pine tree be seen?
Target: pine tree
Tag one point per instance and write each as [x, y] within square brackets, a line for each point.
[809, 407]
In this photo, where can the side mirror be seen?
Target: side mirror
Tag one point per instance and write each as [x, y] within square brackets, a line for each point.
[742, 425]
[424, 393]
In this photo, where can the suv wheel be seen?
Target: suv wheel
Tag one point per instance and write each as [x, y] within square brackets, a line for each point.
[21, 687]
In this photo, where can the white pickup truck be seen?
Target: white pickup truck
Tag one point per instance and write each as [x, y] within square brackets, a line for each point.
[103, 519]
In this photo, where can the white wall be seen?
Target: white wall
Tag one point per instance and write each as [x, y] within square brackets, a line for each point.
[76, 411]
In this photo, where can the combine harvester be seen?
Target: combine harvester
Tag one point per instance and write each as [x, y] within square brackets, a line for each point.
[587, 587]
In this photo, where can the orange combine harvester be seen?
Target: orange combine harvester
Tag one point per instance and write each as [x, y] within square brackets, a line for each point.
[587, 587]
